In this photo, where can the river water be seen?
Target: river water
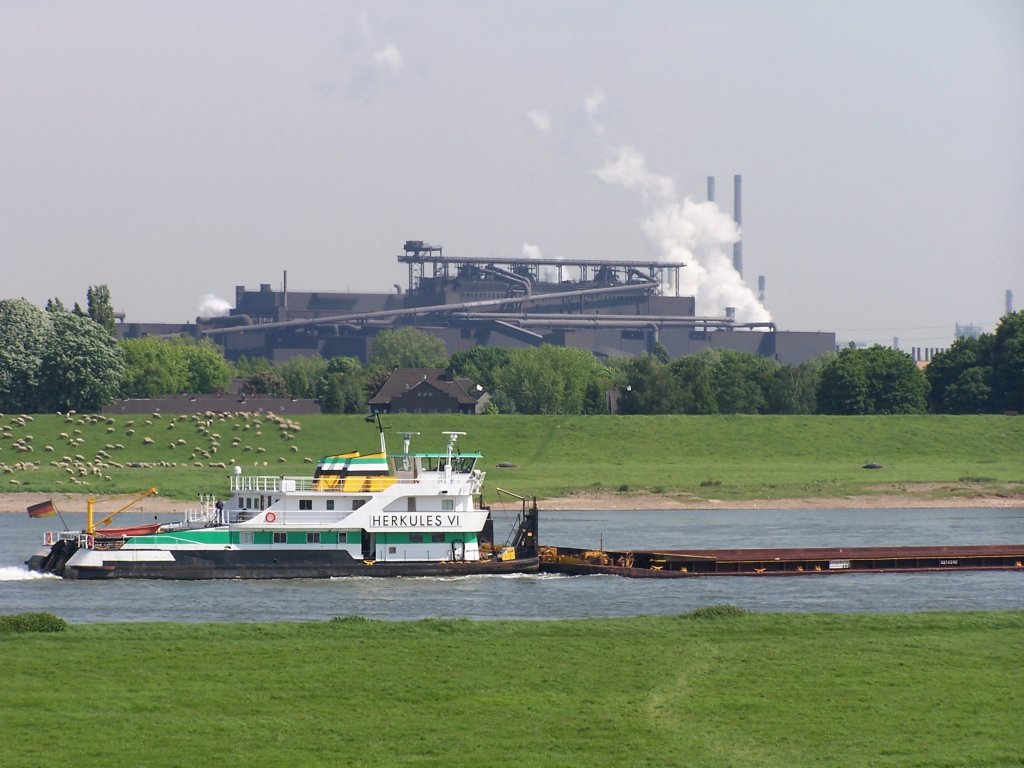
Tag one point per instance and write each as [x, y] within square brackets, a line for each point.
[559, 597]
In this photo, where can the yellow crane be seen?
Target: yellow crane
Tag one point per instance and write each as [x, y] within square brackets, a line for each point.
[90, 528]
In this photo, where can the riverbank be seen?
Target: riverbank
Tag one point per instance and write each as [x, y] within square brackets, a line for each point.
[748, 680]
[907, 496]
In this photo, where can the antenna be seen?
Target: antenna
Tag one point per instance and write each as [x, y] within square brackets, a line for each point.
[406, 441]
[452, 438]
[375, 416]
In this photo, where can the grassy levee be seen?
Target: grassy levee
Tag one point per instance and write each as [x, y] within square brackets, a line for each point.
[725, 457]
[942, 689]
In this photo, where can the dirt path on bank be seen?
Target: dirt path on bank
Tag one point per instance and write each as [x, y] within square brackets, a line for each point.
[924, 495]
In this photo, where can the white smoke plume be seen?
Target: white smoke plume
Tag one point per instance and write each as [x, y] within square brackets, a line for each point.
[531, 251]
[594, 102]
[389, 57]
[540, 120]
[213, 306]
[697, 234]
[548, 273]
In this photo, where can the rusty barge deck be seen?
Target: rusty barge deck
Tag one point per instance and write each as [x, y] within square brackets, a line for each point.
[676, 563]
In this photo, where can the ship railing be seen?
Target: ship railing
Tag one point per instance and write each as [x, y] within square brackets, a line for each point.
[206, 514]
[278, 484]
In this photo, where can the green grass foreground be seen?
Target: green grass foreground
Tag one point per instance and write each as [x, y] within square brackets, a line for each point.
[927, 689]
[723, 457]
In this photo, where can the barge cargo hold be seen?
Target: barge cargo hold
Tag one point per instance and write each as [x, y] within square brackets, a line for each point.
[674, 563]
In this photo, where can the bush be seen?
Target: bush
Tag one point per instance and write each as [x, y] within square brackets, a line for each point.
[350, 619]
[32, 622]
[717, 612]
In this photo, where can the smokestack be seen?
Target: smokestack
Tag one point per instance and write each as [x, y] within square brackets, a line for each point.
[760, 289]
[711, 189]
[1009, 302]
[737, 205]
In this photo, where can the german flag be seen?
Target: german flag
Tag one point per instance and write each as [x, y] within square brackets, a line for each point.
[42, 509]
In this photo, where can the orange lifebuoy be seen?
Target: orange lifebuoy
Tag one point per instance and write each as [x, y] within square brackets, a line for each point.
[271, 517]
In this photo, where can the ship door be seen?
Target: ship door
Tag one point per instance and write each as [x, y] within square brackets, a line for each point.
[369, 545]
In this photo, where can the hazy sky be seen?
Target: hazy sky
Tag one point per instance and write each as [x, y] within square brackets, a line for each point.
[177, 149]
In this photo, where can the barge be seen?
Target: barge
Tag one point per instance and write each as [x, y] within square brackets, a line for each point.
[377, 514]
[676, 563]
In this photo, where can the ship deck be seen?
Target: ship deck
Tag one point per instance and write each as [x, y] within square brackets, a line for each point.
[670, 563]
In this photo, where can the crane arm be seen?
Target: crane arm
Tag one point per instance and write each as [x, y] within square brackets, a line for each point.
[144, 495]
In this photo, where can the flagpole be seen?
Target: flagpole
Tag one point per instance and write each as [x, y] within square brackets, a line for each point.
[62, 521]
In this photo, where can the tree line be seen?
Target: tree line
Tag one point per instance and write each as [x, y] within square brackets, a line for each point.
[55, 359]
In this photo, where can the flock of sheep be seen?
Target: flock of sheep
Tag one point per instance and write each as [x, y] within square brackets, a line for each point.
[201, 442]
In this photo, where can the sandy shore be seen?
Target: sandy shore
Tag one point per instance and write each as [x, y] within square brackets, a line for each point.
[922, 496]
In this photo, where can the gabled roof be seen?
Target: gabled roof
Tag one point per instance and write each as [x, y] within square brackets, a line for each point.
[403, 380]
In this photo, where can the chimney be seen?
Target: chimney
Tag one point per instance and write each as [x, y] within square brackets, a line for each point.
[1009, 302]
[711, 189]
[737, 205]
[760, 289]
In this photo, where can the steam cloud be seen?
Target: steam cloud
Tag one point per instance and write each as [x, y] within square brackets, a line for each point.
[548, 273]
[540, 120]
[699, 235]
[212, 306]
[388, 57]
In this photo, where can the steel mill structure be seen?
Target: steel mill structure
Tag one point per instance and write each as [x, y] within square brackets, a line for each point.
[612, 308]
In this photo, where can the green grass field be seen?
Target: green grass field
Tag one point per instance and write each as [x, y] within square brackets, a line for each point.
[929, 689]
[725, 457]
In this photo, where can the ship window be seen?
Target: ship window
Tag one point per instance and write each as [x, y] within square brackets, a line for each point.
[447, 504]
[342, 537]
[280, 537]
[330, 504]
[305, 503]
[246, 537]
[416, 538]
[313, 537]
[392, 550]
[357, 503]
[436, 538]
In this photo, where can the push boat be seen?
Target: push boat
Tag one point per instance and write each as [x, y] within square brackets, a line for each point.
[377, 514]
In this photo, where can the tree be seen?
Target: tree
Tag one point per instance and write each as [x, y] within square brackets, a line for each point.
[83, 366]
[26, 333]
[101, 310]
[843, 386]
[696, 377]
[268, 382]
[873, 380]
[960, 377]
[741, 381]
[970, 393]
[649, 387]
[301, 375]
[793, 389]
[550, 379]
[480, 365]
[407, 347]
[206, 370]
[1008, 363]
[342, 388]
[153, 367]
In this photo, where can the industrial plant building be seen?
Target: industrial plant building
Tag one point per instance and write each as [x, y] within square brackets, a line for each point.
[612, 308]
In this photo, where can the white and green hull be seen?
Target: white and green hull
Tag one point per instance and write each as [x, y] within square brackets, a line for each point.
[408, 514]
